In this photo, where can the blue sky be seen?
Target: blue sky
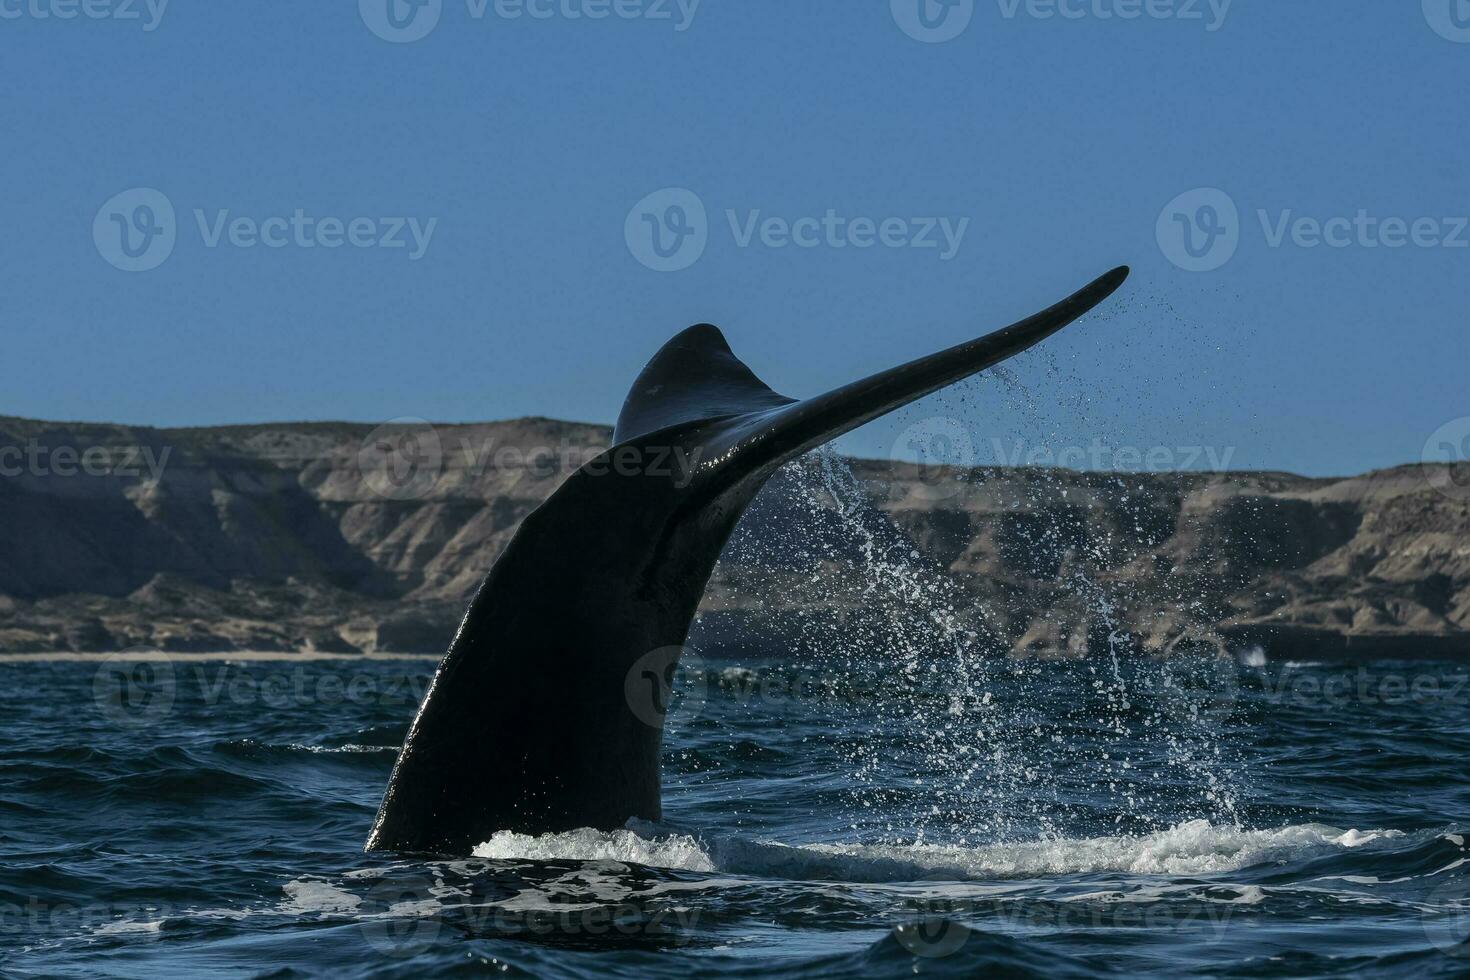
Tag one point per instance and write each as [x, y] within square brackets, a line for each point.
[519, 146]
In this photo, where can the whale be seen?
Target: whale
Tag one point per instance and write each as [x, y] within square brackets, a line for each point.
[546, 713]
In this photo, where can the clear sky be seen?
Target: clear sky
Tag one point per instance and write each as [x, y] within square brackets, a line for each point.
[1053, 147]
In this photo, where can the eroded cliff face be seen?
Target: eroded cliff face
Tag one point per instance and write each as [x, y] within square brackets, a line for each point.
[321, 536]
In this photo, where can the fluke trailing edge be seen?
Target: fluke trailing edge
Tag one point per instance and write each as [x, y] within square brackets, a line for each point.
[527, 725]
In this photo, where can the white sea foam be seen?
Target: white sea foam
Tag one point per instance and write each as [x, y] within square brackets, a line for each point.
[1196, 847]
[673, 851]
[129, 927]
[313, 895]
[341, 749]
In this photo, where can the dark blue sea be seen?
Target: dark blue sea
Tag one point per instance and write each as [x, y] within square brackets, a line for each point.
[1113, 815]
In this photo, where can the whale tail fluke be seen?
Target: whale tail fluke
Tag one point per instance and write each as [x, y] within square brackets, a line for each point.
[804, 425]
[537, 719]
[696, 378]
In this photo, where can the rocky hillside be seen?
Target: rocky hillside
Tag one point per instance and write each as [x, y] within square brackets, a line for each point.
[342, 537]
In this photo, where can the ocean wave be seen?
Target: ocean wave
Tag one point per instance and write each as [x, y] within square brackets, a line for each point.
[1195, 847]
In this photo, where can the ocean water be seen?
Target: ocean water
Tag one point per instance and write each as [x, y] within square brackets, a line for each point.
[840, 817]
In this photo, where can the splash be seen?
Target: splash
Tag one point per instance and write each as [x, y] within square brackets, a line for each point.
[990, 741]
[674, 851]
[1192, 848]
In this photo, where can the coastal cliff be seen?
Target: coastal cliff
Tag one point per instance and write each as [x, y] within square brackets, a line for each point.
[345, 537]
